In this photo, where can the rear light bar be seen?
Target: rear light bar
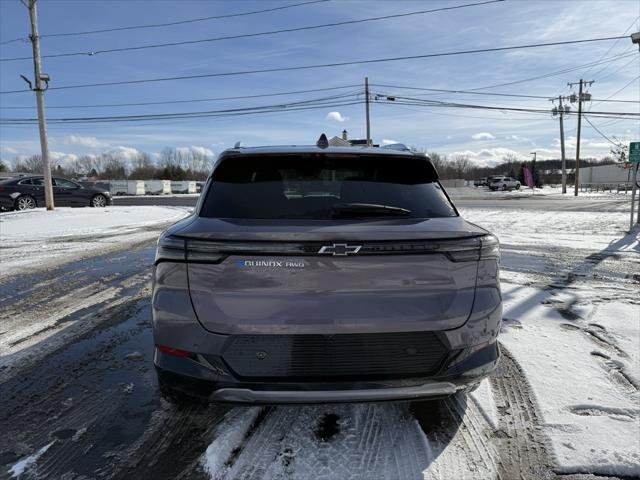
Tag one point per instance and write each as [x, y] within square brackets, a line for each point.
[176, 249]
[176, 352]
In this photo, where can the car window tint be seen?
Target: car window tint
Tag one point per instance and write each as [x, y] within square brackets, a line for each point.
[61, 182]
[37, 181]
[25, 182]
[313, 187]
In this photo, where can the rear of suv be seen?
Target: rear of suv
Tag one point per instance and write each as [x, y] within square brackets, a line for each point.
[337, 274]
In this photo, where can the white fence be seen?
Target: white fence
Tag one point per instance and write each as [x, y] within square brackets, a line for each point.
[151, 187]
[606, 174]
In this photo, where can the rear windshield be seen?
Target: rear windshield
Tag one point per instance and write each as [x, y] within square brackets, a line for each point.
[325, 187]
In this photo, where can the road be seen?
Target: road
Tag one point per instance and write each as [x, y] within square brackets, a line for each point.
[79, 395]
[481, 200]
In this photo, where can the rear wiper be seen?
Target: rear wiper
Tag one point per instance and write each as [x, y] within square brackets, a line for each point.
[368, 209]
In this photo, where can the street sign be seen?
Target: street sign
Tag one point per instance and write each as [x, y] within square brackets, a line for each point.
[634, 152]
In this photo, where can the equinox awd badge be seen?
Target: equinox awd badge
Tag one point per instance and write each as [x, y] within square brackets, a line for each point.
[339, 249]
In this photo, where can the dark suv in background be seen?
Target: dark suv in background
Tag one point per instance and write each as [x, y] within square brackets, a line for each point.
[23, 193]
[310, 274]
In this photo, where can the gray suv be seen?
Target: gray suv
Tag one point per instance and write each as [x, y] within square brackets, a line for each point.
[335, 274]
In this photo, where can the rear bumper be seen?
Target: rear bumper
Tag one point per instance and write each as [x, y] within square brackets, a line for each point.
[199, 378]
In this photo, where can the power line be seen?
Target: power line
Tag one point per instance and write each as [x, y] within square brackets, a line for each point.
[617, 70]
[335, 100]
[328, 65]
[169, 24]
[250, 35]
[601, 134]
[323, 102]
[621, 89]
[557, 72]
[471, 92]
[169, 102]
[610, 48]
[435, 103]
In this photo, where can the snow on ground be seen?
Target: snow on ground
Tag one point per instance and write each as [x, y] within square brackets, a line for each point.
[19, 468]
[572, 320]
[547, 191]
[37, 238]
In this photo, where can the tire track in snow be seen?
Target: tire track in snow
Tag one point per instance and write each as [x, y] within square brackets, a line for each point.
[367, 441]
[435, 440]
[519, 438]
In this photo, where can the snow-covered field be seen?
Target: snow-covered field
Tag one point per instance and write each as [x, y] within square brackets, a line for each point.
[37, 238]
[571, 286]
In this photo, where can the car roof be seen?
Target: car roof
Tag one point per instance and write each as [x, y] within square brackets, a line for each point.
[310, 149]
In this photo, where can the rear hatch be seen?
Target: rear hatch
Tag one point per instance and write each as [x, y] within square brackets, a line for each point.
[328, 245]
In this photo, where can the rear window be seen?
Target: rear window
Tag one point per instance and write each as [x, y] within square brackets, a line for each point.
[325, 187]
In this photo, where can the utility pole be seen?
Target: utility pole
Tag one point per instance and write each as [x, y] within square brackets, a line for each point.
[366, 95]
[560, 110]
[581, 98]
[39, 78]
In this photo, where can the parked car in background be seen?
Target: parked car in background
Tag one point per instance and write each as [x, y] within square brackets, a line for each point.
[23, 193]
[324, 274]
[482, 182]
[504, 183]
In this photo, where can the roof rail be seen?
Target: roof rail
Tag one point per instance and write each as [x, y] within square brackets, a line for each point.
[397, 146]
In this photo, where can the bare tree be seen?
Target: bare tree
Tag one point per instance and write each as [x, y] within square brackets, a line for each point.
[142, 166]
[619, 151]
[460, 164]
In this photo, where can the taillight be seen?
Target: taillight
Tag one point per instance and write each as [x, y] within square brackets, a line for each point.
[175, 249]
[199, 251]
[490, 247]
[176, 352]
[473, 249]
[170, 249]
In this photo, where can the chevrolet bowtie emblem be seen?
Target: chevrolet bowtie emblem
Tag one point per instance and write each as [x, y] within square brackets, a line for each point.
[339, 249]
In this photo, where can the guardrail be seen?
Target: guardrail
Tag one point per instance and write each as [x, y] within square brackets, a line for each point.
[604, 187]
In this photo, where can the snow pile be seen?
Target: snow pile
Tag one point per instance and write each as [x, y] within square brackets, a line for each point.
[37, 238]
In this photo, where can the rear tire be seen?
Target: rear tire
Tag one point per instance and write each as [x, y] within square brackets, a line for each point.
[518, 186]
[504, 187]
[99, 201]
[25, 202]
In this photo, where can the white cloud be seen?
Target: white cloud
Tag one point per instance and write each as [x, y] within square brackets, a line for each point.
[10, 150]
[487, 157]
[62, 158]
[336, 117]
[483, 136]
[387, 141]
[90, 142]
[127, 153]
[198, 150]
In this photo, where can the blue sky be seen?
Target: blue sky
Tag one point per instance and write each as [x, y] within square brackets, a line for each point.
[486, 136]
